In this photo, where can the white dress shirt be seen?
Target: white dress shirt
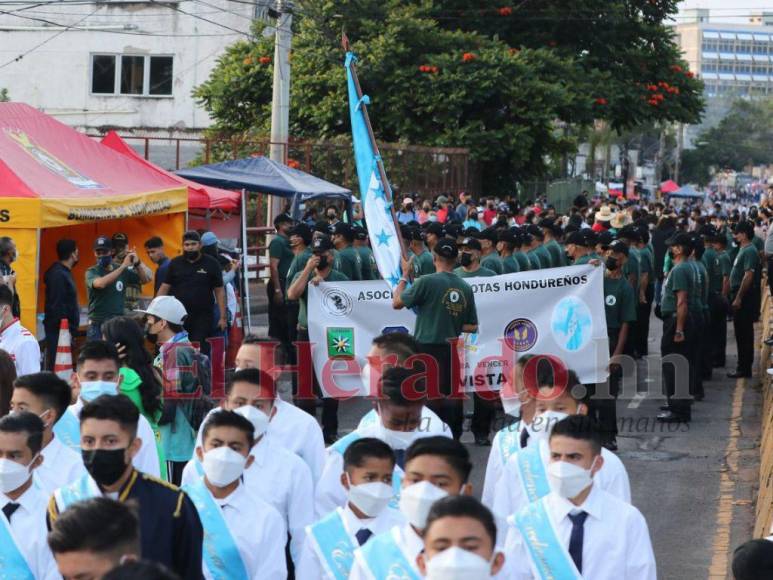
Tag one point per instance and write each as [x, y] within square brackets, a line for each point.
[310, 567]
[61, 466]
[616, 543]
[281, 479]
[510, 498]
[259, 533]
[428, 418]
[409, 542]
[495, 464]
[28, 526]
[330, 492]
[19, 342]
[146, 459]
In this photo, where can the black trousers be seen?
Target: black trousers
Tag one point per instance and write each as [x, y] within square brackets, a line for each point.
[277, 318]
[52, 341]
[445, 400]
[696, 366]
[743, 324]
[602, 399]
[770, 274]
[706, 347]
[483, 411]
[329, 404]
[677, 379]
[200, 327]
[718, 332]
[643, 322]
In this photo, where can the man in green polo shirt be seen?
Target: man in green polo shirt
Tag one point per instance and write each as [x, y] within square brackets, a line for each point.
[367, 259]
[280, 257]
[550, 229]
[422, 262]
[469, 258]
[745, 297]
[106, 285]
[719, 243]
[580, 247]
[537, 247]
[300, 241]
[506, 246]
[445, 308]
[489, 258]
[519, 250]
[342, 237]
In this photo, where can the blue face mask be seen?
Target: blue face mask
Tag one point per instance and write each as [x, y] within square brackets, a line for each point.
[104, 261]
[90, 390]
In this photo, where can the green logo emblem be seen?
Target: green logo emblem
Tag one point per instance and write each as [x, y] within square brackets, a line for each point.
[340, 343]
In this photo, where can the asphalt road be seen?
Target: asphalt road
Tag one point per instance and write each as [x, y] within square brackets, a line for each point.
[695, 484]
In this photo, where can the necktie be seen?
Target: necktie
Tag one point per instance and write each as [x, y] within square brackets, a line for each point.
[575, 540]
[400, 457]
[363, 535]
[9, 509]
[524, 438]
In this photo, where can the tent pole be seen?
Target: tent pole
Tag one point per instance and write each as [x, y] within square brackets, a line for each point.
[245, 269]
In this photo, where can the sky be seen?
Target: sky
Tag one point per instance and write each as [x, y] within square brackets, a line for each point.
[729, 11]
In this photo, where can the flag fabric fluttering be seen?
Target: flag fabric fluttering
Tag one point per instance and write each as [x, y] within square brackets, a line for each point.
[375, 194]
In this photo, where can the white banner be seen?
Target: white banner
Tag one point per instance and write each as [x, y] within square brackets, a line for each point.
[558, 311]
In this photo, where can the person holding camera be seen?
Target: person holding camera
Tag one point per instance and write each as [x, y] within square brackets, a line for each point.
[106, 284]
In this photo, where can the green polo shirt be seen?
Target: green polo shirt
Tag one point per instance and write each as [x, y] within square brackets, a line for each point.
[725, 264]
[557, 256]
[619, 302]
[423, 264]
[681, 277]
[493, 262]
[367, 263]
[747, 260]
[280, 249]
[350, 263]
[462, 273]
[703, 285]
[444, 303]
[544, 257]
[106, 303]
[332, 276]
[297, 265]
[524, 265]
[510, 264]
[535, 262]
[710, 260]
[586, 259]
[632, 267]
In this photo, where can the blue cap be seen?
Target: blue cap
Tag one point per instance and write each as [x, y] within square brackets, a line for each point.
[209, 239]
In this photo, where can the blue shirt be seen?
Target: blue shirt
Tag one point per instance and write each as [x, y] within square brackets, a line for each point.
[160, 277]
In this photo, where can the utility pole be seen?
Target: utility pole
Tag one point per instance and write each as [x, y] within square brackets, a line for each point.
[679, 145]
[280, 105]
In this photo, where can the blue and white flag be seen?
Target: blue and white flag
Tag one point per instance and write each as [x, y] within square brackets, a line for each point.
[375, 196]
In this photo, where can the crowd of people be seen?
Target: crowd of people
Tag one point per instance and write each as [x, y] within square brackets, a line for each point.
[129, 469]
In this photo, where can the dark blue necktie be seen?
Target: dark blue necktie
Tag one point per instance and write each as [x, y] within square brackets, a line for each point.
[363, 535]
[524, 438]
[9, 509]
[575, 540]
[400, 457]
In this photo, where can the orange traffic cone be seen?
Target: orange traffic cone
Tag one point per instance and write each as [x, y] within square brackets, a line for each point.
[235, 336]
[63, 361]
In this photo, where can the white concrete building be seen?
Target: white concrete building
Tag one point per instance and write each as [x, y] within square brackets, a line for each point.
[112, 63]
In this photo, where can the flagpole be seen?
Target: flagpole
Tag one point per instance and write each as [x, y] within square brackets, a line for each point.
[379, 161]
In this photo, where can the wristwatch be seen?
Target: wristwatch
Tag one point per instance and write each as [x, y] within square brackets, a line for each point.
[679, 332]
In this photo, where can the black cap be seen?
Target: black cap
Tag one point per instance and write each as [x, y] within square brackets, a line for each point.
[471, 243]
[591, 237]
[490, 234]
[509, 236]
[302, 231]
[435, 228]
[618, 246]
[680, 239]
[454, 230]
[406, 231]
[321, 226]
[360, 233]
[535, 231]
[604, 238]
[629, 232]
[577, 238]
[446, 249]
[417, 234]
[707, 231]
[344, 229]
[120, 239]
[744, 227]
[282, 218]
[550, 224]
[103, 243]
[471, 232]
[321, 245]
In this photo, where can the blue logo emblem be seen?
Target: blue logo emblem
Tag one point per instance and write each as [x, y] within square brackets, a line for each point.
[521, 334]
[571, 324]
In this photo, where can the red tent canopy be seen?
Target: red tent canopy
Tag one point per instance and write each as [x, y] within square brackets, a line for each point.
[669, 186]
[199, 196]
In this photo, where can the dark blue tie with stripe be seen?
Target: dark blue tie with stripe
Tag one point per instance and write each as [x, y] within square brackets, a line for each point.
[363, 535]
[400, 457]
[575, 540]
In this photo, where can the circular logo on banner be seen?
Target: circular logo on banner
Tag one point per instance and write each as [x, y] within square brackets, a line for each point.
[337, 302]
[572, 324]
[521, 334]
[610, 300]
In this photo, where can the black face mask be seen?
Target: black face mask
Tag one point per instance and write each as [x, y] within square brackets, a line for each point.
[466, 259]
[106, 466]
[611, 263]
[323, 262]
[191, 256]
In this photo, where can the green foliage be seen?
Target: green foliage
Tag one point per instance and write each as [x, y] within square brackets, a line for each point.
[4, 98]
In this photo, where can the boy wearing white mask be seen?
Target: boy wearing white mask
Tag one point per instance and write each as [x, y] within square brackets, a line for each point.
[367, 477]
[578, 530]
[525, 477]
[48, 397]
[435, 467]
[403, 394]
[24, 552]
[274, 474]
[97, 374]
[460, 541]
[244, 537]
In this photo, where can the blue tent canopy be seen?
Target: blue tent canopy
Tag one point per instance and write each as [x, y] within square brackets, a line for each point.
[687, 191]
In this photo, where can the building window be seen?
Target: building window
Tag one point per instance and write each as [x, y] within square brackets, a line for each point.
[137, 75]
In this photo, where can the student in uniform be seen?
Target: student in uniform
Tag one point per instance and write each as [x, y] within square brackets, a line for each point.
[367, 260]
[580, 247]
[280, 257]
[170, 529]
[460, 541]
[274, 474]
[342, 237]
[526, 477]
[445, 307]
[745, 297]
[489, 257]
[368, 467]
[469, 260]
[719, 243]
[579, 529]
[422, 263]
[506, 246]
[630, 236]
[400, 422]
[703, 344]
[93, 537]
[292, 427]
[519, 249]
[435, 467]
[48, 397]
[300, 242]
[551, 230]
[647, 288]
[538, 247]
[244, 537]
[23, 549]
[97, 374]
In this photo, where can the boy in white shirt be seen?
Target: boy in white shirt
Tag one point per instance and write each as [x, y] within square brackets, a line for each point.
[48, 397]
[367, 477]
[244, 537]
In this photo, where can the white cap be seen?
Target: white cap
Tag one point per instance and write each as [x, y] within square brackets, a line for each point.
[166, 308]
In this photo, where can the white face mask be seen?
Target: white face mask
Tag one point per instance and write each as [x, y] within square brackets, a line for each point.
[569, 480]
[397, 439]
[366, 376]
[370, 498]
[13, 475]
[223, 466]
[255, 416]
[416, 501]
[456, 563]
[512, 406]
[543, 424]
[90, 390]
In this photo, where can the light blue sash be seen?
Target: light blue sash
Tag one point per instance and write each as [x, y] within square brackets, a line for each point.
[68, 430]
[509, 442]
[551, 560]
[343, 443]
[13, 566]
[369, 419]
[534, 477]
[221, 554]
[333, 544]
[386, 560]
[82, 488]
